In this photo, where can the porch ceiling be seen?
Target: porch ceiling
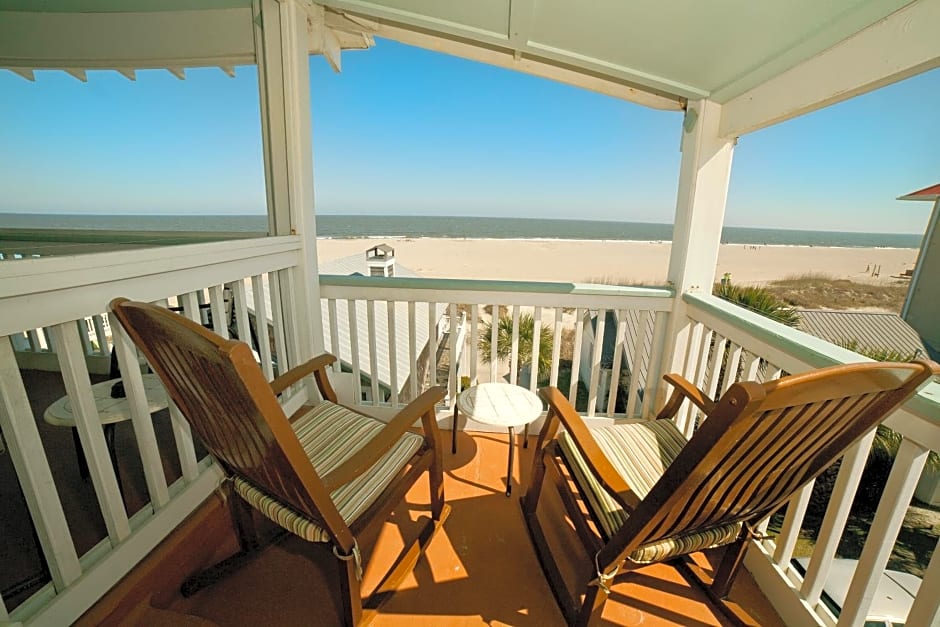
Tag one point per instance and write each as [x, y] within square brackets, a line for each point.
[764, 61]
[681, 48]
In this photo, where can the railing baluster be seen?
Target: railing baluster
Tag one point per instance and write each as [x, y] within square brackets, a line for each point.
[90, 433]
[261, 325]
[597, 353]
[684, 421]
[240, 311]
[926, 607]
[514, 347]
[792, 521]
[751, 367]
[717, 360]
[140, 418]
[182, 432]
[837, 513]
[217, 307]
[18, 425]
[34, 344]
[731, 369]
[536, 346]
[49, 339]
[373, 353]
[556, 347]
[101, 335]
[655, 366]
[908, 464]
[639, 355]
[334, 333]
[474, 342]
[432, 343]
[452, 349]
[352, 307]
[615, 366]
[576, 356]
[413, 351]
[277, 316]
[392, 350]
[83, 336]
[494, 338]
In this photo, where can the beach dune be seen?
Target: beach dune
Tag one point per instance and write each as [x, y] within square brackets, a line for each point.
[584, 261]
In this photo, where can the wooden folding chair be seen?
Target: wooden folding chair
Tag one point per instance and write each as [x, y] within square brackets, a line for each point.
[653, 496]
[326, 473]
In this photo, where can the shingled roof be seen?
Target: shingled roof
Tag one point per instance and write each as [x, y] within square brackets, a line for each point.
[872, 330]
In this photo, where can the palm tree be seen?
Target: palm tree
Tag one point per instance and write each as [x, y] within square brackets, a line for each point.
[504, 342]
[759, 300]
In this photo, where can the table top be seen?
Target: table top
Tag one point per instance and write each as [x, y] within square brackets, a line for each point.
[500, 404]
[110, 410]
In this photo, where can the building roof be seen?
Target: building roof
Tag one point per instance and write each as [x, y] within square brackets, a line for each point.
[356, 265]
[871, 330]
[928, 193]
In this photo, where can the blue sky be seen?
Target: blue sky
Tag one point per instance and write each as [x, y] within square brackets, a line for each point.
[407, 131]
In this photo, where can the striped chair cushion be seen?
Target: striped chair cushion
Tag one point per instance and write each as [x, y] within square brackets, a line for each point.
[331, 434]
[640, 452]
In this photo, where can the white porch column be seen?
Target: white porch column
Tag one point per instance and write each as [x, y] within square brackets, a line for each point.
[700, 210]
[281, 41]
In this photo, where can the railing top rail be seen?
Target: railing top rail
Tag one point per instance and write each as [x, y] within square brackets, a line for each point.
[110, 236]
[802, 347]
[483, 285]
[42, 274]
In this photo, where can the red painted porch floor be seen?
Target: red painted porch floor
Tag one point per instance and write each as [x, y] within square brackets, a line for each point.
[480, 570]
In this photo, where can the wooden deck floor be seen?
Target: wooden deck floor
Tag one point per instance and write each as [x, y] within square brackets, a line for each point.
[481, 570]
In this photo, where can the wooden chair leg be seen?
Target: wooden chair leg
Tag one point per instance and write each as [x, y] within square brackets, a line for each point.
[728, 568]
[436, 481]
[350, 592]
[530, 500]
[593, 606]
[247, 541]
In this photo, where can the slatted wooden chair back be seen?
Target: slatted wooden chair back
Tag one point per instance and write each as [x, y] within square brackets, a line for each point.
[762, 442]
[222, 392]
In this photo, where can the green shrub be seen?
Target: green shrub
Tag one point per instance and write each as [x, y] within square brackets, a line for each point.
[759, 300]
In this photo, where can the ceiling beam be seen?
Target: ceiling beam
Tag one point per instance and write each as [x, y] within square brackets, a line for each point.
[391, 18]
[321, 39]
[27, 74]
[505, 57]
[520, 24]
[154, 39]
[902, 45]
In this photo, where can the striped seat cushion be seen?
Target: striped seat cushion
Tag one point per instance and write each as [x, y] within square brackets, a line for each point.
[640, 452]
[331, 434]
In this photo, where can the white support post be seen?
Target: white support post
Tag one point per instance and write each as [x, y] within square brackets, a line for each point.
[704, 173]
[281, 43]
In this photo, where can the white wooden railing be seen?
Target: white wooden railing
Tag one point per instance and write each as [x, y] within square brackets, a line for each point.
[728, 340]
[57, 295]
[391, 325]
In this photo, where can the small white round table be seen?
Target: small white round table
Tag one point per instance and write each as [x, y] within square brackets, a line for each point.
[110, 412]
[501, 405]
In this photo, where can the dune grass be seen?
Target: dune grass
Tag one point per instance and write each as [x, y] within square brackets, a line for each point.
[820, 291]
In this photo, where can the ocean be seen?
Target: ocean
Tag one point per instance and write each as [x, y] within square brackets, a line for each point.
[336, 226]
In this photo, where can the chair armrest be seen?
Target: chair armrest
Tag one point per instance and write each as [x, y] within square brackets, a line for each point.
[560, 408]
[378, 446]
[316, 366]
[683, 389]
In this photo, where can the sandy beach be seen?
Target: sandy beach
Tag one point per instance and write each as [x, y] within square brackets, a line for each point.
[619, 261]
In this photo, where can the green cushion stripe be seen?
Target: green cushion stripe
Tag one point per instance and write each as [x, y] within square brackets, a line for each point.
[640, 452]
[331, 434]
